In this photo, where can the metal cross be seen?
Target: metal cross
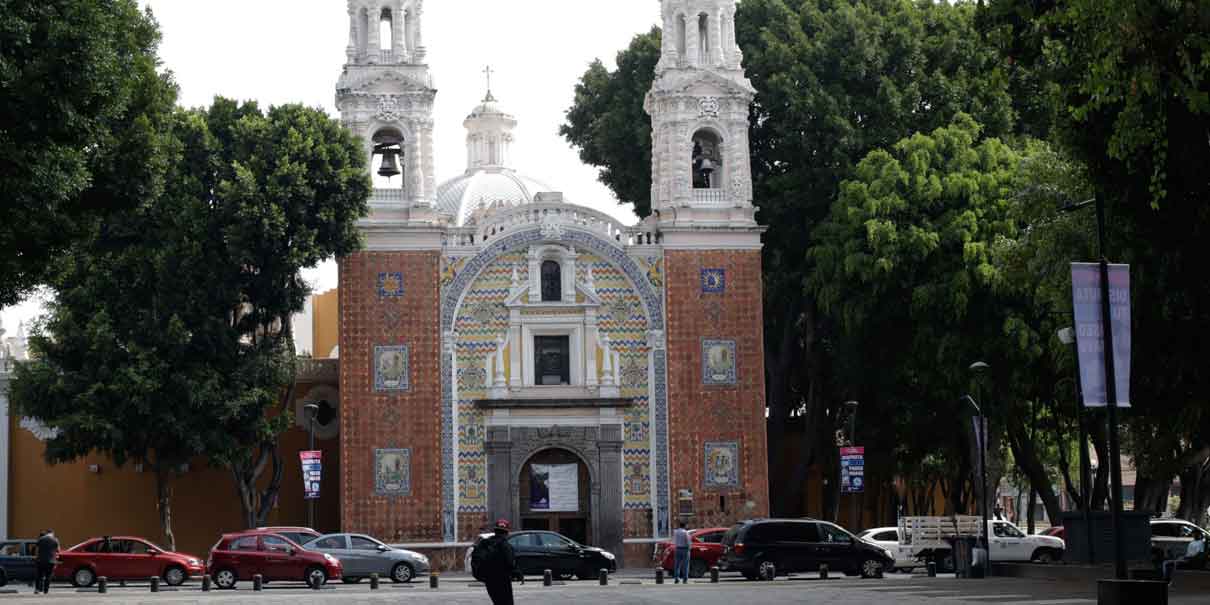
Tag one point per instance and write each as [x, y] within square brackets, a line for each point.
[488, 70]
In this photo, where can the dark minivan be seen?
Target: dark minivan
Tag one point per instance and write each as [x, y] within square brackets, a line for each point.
[758, 547]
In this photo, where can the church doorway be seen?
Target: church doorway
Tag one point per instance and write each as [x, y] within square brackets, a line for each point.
[555, 494]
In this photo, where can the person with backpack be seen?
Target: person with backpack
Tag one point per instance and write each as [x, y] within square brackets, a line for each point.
[48, 551]
[493, 563]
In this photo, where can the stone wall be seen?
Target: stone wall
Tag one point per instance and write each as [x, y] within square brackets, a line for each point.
[388, 301]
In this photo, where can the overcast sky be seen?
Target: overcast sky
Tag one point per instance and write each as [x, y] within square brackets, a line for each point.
[279, 51]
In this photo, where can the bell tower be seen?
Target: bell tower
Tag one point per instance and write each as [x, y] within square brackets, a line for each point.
[385, 95]
[698, 103]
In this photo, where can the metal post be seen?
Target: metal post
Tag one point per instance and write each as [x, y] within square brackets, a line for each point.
[1111, 396]
[853, 524]
[311, 446]
[1085, 466]
[987, 541]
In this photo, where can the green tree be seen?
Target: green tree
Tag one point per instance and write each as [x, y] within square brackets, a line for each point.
[169, 334]
[81, 111]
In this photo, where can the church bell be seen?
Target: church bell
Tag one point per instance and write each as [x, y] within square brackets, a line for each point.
[390, 163]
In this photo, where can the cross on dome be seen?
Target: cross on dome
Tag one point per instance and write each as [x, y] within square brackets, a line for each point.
[488, 72]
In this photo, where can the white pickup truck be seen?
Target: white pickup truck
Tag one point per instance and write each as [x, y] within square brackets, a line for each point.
[927, 539]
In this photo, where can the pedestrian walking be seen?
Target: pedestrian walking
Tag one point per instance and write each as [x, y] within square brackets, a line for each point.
[48, 551]
[680, 568]
[493, 563]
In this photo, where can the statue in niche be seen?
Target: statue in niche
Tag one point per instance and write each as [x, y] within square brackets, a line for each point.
[706, 161]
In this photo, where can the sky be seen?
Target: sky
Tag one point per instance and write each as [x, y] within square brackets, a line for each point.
[279, 51]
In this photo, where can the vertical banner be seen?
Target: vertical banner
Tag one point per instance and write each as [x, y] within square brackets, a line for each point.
[1086, 303]
[852, 470]
[554, 488]
[312, 471]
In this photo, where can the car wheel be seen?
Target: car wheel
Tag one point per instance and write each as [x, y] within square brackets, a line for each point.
[697, 568]
[348, 580]
[402, 573]
[315, 575]
[871, 568]
[1043, 555]
[175, 576]
[224, 579]
[83, 578]
[766, 570]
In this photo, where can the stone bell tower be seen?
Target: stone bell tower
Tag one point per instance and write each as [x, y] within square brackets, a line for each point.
[699, 117]
[385, 94]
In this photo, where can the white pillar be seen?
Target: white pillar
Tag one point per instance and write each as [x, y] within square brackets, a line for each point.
[715, 24]
[692, 39]
[397, 33]
[351, 49]
[418, 50]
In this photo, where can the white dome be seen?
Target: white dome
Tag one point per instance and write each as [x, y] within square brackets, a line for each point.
[486, 188]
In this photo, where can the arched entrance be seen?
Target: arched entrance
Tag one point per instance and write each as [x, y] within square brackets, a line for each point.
[555, 494]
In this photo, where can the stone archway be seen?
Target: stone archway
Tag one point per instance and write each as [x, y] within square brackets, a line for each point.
[535, 488]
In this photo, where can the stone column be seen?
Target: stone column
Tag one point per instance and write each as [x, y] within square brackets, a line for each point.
[692, 39]
[351, 49]
[668, 51]
[609, 513]
[397, 24]
[499, 449]
[418, 50]
[715, 24]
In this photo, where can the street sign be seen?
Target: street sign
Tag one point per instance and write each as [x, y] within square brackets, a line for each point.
[1086, 299]
[852, 470]
[312, 471]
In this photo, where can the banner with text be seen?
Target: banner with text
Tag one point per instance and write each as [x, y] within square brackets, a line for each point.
[1086, 299]
[554, 488]
[312, 471]
[852, 470]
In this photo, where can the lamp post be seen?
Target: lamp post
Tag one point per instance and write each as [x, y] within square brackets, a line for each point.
[851, 406]
[311, 410]
[1068, 337]
[981, 431]
[1111, 390]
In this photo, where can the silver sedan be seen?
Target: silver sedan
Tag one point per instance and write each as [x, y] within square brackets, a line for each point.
[361, 555]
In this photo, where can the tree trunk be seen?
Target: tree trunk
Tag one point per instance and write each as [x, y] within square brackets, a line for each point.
[1029, 515]
[788, 497]
[1100, 490]
[1029, 464]
[163, 492]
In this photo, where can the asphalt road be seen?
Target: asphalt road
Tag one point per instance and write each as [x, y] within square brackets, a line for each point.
[628, 589]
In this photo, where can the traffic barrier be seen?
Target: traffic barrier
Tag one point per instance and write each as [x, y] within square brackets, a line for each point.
[433, 580]
[603, 575]
[102, 585]
[547, 579]
[155, 583]
[258, 582]
[932, 565]
[659, 575]
[374, 581]
[823, 571]
[206, 583]
[714, 574]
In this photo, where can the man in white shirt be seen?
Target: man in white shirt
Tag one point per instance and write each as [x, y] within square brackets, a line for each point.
[681, 542]
[1194, 555]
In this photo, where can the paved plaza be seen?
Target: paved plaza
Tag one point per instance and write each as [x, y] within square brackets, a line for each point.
[630, 588]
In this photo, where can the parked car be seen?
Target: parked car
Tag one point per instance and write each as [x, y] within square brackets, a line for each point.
[931, 538]
[360, 555]
[1055, 531]
[17, 561]
[704, 552]
[297, 535]
[240, 556]
[537, 551]
[1170, 539]
[466, 559]
[760, 547]
[124, 558]
[888, 538]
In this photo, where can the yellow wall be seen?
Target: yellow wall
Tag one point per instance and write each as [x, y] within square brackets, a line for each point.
[325, 323]
[79, 504]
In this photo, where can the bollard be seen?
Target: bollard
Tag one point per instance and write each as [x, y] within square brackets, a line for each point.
[122, 583]
[932, 565]
[823, 571]
[257, 582]
[770, 572]
[547, 580]
[714, 574]
[315, 583]
[374, 581]
[433, 580]
[102, 585]
[155, 583]
[603, 575]
[206, 583]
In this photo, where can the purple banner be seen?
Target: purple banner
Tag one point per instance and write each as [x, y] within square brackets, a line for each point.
[1086, 302]
[312, 470]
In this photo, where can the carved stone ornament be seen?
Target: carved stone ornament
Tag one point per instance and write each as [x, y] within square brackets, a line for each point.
[39, 430]
[552, 229]
[388, 109]
[708, 107]
[738, 188]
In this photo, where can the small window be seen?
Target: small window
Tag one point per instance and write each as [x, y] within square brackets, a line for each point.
[244, 543]
[713, 537]
[797, 532]
[833, 535]
[523, 540]
[552, 541]
[97, 546]
[331, 543]
[276, 544]
[552, 360]
[886, 536]
[10, 549]
[134, 547]
[360, 543]
[552, 281]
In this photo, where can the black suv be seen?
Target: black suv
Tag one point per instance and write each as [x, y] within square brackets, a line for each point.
[756, 548]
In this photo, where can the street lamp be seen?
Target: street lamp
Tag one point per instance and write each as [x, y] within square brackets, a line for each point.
[851, 406]
[311, 410]
[981, 433]
[1067, 336]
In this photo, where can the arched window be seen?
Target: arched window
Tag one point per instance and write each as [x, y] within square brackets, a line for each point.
[707, 160]
[552, 281]
[703, 40]
[680, 37]
[386, 33]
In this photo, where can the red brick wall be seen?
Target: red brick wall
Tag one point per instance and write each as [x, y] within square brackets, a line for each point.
[394, 419]
[698, 413]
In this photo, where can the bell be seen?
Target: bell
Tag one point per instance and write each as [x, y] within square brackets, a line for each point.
[390, 163]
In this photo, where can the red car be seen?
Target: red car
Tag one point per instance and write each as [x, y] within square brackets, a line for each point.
[124, 558]
[298, 535]
[1057, 531]
[242, 555]
[705, 552]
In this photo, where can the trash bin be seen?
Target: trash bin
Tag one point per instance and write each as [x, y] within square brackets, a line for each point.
[978, 558]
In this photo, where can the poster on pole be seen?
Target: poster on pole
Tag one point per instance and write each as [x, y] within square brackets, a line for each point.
[852, 470]
[554, 488]
[1086, 303]
[312, 470]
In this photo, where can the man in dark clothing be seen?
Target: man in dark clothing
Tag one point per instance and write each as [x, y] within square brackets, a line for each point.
[48, 550]
[498, 577]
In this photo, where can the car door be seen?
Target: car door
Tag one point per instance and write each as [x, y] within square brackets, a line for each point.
[244, 554]
[708, 546]
[562, 555]
[1008, 543]
[140, 559]
[835, 548]
[796, 545]
[17, 559]
[279, 560]
[105, 555]
[368, 557]
[336, 545]
[526, 553]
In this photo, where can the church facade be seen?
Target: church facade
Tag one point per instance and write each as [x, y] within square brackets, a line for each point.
[506, 353]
